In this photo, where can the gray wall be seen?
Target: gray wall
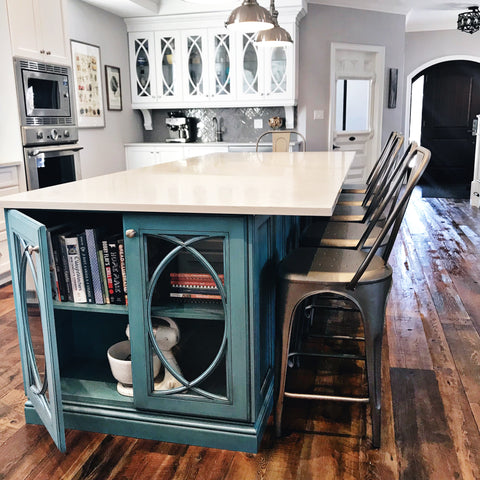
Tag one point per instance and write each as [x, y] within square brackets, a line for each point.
[424, 47]
[318, 29]
[103, 147]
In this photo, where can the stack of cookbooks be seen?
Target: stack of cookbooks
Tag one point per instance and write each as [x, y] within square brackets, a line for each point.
[87, 266]
[194, 287]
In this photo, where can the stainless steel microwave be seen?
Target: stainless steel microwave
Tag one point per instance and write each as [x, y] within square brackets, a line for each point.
[44, 93]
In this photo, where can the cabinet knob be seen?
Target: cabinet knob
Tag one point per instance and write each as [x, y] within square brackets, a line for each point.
[42, 51]
[48, 52]
[131, 233]
[31, 249]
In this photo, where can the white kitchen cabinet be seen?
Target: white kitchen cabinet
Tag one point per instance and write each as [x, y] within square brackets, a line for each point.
[155, 67]
[143, 154]
[208, 65]
[137, 156]
[264, 75]
[215, 68]
[9, 184]
[37, 30]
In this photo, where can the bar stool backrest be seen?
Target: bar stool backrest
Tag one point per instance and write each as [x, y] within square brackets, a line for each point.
[412, 165]
[382, 158]
[380, 181]
[281, 140]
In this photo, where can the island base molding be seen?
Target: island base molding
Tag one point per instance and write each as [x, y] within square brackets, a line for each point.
[242, 437]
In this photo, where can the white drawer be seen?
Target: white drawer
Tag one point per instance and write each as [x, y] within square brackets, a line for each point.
[8, 176]
[4, 192]
[4, 259]
[9, 191]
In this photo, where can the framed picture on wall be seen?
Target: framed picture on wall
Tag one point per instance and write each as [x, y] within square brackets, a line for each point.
[113, 88]
[392, 89]
[87, 84]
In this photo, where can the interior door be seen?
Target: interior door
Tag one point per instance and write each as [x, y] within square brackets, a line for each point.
[35, 321]
[451, 101]
[356, 103]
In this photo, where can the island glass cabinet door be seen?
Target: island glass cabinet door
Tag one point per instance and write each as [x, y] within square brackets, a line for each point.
[187, 307]
[28, 248]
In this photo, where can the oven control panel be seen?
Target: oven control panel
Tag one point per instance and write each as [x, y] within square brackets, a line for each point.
[44, 135]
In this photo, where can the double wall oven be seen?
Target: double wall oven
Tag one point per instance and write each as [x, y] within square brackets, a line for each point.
[49, 130]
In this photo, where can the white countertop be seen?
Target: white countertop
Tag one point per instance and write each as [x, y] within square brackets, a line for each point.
[199, 144]
[219, 183]
[186, 144]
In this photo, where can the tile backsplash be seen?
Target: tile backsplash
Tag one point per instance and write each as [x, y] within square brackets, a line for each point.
[237, 124]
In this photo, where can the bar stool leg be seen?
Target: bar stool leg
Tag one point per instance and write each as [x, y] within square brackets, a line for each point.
[286, 315]
[373, 313]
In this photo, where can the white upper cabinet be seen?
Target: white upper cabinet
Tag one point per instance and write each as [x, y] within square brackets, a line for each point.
[208, 65]
[37, 30]
[155, 67]
[207, 58]
[222, 58]
[266, 74]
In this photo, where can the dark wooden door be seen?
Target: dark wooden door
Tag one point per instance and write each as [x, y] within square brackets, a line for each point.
[451, 101]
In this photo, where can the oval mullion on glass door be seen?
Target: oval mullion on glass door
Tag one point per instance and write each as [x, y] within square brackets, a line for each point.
[188, 250]
[196, 82]
[143, 70]
[222, 73]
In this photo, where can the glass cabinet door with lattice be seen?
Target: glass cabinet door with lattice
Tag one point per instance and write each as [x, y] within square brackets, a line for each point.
[168, 66]
[195, 60]
[222, 64]
[142, 58]
[278, 72]
[35, 321]
[187, 323]
[250, 75]
[155, 70]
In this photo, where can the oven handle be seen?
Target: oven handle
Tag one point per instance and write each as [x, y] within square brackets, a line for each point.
[54, 148]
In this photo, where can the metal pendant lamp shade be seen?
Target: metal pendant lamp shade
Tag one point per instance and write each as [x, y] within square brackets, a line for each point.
[249, 17]
[469, 22]
[274, 37]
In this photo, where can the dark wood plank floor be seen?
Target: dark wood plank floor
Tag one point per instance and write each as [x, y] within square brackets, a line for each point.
[431, 388]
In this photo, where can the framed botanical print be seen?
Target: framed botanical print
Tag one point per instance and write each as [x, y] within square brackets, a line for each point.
[113, 88]
[88, 84]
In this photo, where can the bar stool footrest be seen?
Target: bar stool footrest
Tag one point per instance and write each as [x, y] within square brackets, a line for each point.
[336, 398]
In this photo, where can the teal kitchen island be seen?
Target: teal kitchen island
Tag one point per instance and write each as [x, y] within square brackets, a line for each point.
[190, 247]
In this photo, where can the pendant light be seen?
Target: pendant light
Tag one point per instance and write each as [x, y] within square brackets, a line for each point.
[469, 22]
[276, 36]
[249, 17]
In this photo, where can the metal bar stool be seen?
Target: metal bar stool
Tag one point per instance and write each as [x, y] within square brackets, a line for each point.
[362, 187]
[379, 176]
[281, 140]
[364, 213]
[351, 234]
[362, 277]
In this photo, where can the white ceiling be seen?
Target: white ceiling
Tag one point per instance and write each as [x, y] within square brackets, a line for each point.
[420, 14]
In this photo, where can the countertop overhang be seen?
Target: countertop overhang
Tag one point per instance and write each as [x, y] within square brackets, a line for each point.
[295, 183]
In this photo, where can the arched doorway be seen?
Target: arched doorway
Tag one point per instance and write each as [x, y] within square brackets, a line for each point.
[445, 100]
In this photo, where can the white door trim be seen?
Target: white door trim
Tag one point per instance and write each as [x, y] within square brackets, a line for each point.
[378, 92]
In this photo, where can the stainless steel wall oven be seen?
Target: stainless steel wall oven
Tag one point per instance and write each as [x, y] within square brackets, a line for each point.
[48, 124]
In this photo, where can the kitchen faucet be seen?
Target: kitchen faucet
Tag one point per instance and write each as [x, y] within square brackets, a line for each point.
[218, 130]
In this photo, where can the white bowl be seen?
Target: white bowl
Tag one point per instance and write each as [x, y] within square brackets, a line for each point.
[121, 364]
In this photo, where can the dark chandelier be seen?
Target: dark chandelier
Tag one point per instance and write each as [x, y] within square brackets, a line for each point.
[469, 22]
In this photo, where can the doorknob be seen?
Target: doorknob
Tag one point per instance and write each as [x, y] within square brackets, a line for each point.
[130, 233]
